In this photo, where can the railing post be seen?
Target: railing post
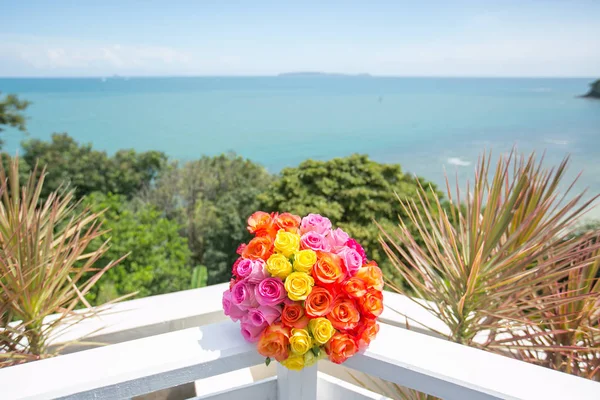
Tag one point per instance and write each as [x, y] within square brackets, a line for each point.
[296, 385]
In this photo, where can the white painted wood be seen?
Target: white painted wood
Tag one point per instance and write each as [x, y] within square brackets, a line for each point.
[296, 385]
[223, 382]
[154, 315]
[452, 371]
[264, 390]
[132, 368]
[331, 388]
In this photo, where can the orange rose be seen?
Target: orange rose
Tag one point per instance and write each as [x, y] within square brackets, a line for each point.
[259, 247]
[344, 315]
[288, 222]
[293, 316]
[354, 287]
[365, 332]
[371, 275]
[371, 304]
[328, 269]
[341, 347]
[318, 302]
[262, 224]
[274, 341]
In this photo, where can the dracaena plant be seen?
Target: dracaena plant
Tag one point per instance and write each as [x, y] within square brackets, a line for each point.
[500, 267]
[45, 267]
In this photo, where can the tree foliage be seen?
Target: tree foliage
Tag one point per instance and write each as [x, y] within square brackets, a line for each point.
[158, 260]
[352, 192]
[11, 112]
[88, 170]
[211, 198]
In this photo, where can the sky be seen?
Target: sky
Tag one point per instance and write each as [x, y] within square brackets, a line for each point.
[228, 37]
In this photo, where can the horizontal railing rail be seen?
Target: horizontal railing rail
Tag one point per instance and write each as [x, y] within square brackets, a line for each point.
[428, 364]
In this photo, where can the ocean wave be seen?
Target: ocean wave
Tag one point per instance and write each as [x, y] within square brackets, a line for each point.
[458, 161]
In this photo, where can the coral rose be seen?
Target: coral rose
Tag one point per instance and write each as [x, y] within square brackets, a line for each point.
[262, 224]
[344, 314]
[341, 347]
[328, 269]
[371, 304]
[354, 287]
[366, 332]
[288, 222]
[371, 275]
[274, 341]
[258, 248]
[293, 316]
[318, 302]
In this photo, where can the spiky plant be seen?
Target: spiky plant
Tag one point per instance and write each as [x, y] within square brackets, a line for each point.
[45, 267]
[499, 266]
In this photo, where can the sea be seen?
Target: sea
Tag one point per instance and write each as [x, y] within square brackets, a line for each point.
[433, 127]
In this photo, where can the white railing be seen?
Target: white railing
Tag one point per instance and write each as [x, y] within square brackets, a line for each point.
[147, 364]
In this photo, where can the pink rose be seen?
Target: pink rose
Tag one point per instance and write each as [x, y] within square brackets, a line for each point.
[242, 295]
[353, 244]
[230, 309]
[270, 292]
[263, 315]
[252, 270]
[351, 259]
[251, 332]
[337, 239]
[315, 223]
[314, 241]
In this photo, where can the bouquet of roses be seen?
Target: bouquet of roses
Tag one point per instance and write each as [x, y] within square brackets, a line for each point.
[302, 290]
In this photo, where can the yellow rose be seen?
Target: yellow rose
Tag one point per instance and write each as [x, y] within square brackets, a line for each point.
[300, 341]
[304, 260]
[287, 243]
[294, 362]
[321, 329]
[298, 285]
[309, 359]
[278, 265]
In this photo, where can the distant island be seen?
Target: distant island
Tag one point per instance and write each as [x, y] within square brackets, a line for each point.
[318, 74]
[594, 92]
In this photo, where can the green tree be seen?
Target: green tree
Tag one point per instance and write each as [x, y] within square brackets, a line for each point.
[89, 170]
[211, 198]
[158, 260]
[352, 192]
[11, 113]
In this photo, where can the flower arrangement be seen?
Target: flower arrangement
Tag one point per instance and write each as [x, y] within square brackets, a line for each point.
[302, 290]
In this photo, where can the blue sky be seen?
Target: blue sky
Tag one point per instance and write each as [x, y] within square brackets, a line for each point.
[227, 37]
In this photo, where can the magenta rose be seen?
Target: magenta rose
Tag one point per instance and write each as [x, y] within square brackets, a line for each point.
[252, 270]
[251, 332]
[351, 259]
[263, 315]
[315, 223]
[230, 309]
[243, 295]
[314, 241]
[337, 239]
[270, 292]
[353, 244]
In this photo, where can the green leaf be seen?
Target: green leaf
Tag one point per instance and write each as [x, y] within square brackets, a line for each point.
[267, 361]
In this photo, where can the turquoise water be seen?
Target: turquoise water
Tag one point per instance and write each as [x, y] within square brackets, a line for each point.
[426, 124]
